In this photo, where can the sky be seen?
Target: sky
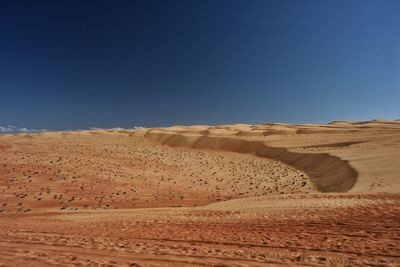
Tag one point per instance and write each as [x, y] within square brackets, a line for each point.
[80, 64]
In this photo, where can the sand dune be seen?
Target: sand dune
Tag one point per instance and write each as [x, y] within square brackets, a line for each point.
[227, 195]
[327, 172]
[335, 156]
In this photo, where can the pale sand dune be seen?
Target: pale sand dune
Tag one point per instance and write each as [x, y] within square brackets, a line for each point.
[335, 156]
[227, 195]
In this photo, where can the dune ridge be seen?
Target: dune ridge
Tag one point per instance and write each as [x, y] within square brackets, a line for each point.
[328, 173]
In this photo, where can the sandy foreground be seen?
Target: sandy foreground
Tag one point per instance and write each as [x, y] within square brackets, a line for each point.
[228, 195]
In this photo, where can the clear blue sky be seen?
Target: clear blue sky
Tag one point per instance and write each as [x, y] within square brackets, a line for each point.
[80, 64]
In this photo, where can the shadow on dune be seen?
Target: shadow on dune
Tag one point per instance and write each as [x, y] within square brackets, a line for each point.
[328, 173]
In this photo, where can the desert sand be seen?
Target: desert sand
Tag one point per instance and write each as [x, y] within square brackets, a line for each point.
[227, 195]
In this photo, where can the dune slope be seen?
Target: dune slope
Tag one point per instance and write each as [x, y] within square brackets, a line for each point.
[328, 173]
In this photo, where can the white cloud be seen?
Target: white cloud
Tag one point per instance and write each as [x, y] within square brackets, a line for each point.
[23, 130]
[13, 129]
[7, 129]
[135, 128]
